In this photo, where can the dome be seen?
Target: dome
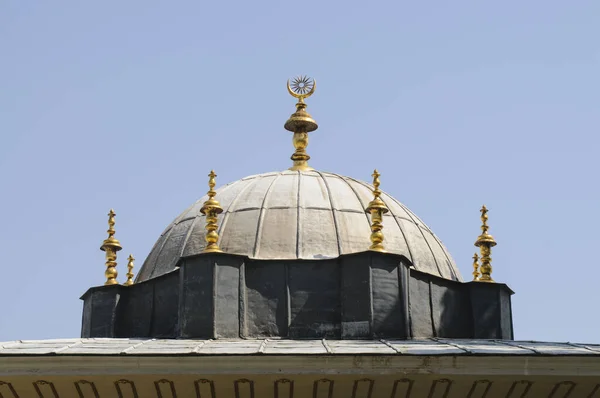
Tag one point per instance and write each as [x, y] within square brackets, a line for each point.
[299, 214]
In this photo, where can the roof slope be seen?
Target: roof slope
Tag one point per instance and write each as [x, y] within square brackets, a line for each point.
[426, 347]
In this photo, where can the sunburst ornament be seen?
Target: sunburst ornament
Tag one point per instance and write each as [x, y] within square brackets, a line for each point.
[302, 84]
[302, 87]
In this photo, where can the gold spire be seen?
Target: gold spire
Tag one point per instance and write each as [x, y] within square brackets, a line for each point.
[210, 209]
[485, 242]
[475, 267]
[377, 209]
[129, 274]
[111, 246]
[301, 123]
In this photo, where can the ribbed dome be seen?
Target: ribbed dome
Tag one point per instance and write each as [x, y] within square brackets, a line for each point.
[299, 215]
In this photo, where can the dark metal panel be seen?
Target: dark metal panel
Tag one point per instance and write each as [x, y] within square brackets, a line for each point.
[103, 309]
[388, 301]
[314, 299]
[419, 305]
[227, 300]
[135, 310]
[196, 297]
[86, 318]
[506, 325]
[486, 310]
[451, 310]
[266, 302]
[166, 304]
[356, 302]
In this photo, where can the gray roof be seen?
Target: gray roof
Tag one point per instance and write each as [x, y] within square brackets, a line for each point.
[293, 215]
[427, 347]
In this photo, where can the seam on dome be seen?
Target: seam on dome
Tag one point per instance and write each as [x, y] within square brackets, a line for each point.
[357, 198]
[155, 246]
[249, 182]
[255, 176]
[187, 236]
[335, 220]
[181, 217]
[453, 268]
[167, 235]
[418, 225]
[303, 207]
[404, 236]
[261, 215]
[243, 209]
[412, 258]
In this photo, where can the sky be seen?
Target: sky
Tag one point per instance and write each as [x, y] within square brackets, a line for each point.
[129, 105]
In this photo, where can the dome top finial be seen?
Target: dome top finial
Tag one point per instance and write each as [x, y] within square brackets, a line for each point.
[301, 123]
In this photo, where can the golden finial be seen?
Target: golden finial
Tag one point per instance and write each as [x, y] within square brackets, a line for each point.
[111, 246]
[475, 267]
[301, 123]
[377, 209]
[210, 209]
[485, 242]
[129, 274]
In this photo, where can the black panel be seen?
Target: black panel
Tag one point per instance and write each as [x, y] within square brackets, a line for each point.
[388, 305]
[314, 299]
[506, 324]
[361, 295]
[196, 297]
[135, 310]
[266, 299]
[419, 305]
[356, 296]
[451, 310]
[166, 304]
[86, 319]
[102, 310]
[227, 298]
[486, 310]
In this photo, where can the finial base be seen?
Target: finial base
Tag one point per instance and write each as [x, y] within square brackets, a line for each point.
[301, 167]
[300, 157]
[212, 250]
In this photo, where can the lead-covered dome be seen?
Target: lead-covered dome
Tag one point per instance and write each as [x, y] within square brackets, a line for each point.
[292, 215]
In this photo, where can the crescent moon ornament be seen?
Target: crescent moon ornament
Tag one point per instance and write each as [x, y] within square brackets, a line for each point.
[301, 122]
[301, 87]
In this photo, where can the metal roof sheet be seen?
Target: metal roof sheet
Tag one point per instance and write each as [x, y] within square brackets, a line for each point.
[157, 347]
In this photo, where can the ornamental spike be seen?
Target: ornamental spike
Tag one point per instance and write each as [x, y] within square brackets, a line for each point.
[111, 246]
[129, 274]
[485, 242]
[211, 208]
[377, 209]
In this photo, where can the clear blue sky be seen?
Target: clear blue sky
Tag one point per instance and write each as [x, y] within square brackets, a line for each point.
[130, 104]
